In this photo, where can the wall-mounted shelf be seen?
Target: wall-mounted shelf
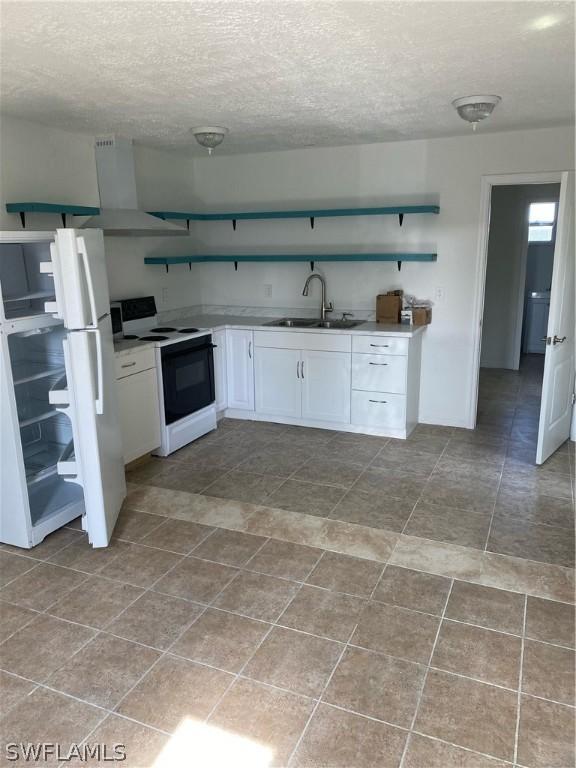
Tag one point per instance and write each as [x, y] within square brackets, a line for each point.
[297, 257]
[312, 214]
[62, 208]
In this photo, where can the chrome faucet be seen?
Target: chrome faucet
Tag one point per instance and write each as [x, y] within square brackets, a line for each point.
[324, 308]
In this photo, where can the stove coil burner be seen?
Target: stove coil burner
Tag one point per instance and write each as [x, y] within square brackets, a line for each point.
[163, 330]
[153, 338]
[188, 330]
[130, 336]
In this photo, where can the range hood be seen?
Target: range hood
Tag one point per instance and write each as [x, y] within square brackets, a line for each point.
[119, 215]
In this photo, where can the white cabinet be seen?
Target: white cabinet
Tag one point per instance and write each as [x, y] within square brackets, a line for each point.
[240, 369]
[139, 406]
[220, 383]
[379, 373]
[325, 378]
[277, 382]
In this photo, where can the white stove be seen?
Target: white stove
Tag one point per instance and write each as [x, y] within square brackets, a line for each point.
[185, 370]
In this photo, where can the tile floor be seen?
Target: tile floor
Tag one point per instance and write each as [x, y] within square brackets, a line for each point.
[207, 635]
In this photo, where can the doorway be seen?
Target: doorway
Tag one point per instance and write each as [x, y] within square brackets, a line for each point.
[525, 382]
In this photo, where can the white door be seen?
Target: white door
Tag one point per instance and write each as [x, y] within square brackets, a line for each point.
[90, 401]
[78, 264]
[139, 420]
[277, 382]
[326, 386]
[220, 384]
[558, 382]
[240, 369]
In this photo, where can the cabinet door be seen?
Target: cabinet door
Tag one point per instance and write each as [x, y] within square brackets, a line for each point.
[139, 414]
[240, 369]
[220, 383]
[326, 386]
[277, 385]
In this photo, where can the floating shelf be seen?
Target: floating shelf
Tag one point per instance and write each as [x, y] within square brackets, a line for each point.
[62, 208]
[297, 257]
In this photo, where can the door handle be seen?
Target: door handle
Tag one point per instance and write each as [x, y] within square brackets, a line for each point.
[99, 402]
[558, 340]
[89, 283]
[298, 369]
[302, 369]
[250, 350]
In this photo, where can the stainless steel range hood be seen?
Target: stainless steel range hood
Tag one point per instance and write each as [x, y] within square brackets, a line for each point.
[119, 215]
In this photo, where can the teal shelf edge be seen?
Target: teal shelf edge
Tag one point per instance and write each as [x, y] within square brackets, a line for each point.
[75, 210]
[196, 259]
[304, 214]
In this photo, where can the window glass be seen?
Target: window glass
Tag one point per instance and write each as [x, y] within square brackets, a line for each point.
[540, 233]
[542, 213]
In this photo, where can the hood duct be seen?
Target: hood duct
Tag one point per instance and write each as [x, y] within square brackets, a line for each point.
[119, 215]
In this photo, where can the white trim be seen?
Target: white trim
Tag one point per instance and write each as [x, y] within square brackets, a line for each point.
[487, 182]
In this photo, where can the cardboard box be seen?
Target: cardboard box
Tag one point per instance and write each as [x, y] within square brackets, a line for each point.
[421, 315]
[388, 307]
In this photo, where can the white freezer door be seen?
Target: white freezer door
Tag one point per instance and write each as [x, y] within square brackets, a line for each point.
[78, 265]
[90, 401]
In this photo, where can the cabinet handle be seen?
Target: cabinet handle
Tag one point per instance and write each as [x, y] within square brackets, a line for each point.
[379, 345]
[558, 340]
[128, 365]
[378, 401]
[302, 369]
[250, 350]
[377, 363]
[298, 369]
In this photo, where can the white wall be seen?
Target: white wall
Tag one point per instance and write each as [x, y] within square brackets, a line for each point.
[48, 165]
[445, 170]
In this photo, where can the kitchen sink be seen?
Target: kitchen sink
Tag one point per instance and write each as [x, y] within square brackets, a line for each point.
[306, 322]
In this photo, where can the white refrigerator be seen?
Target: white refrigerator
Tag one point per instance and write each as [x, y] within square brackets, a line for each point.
[60, 442]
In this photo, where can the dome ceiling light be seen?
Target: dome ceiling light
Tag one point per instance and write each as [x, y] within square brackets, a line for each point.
[209, 136]
[473, 109]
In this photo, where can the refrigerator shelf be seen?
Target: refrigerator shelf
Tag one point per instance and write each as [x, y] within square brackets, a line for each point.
[32, 370]
[41, 459]
[33, 411]
[29, 296]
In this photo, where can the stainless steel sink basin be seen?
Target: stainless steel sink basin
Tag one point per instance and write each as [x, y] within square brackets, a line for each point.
[306, 322]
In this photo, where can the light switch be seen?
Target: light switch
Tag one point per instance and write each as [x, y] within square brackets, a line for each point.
[267, 290]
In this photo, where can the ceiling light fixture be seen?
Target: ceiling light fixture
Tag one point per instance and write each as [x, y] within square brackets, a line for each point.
[473, 109]
[209, 136]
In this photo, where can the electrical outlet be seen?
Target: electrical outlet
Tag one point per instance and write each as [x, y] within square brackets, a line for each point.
[439, 295]
[267, 290]
[164, 296]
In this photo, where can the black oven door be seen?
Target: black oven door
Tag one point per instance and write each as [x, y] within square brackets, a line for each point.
[188, 377]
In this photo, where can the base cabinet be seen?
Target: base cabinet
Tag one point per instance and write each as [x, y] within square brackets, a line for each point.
[139, 408]
[240, 369]
[220, 382]
[277, 382]
[326, 386]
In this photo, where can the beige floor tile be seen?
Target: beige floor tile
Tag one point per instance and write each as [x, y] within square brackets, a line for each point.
[229, 547]
[244, 486]
[341, 740]
[103, 671]
[144, 471]
[487, 607]
[415, 462]
[284, 559]
[421, 442]
[12, 566]
[329, 472]
[376, 685]
[41, 587]
[140, 566]
[268, 720]
[396, 631]
[460, 491]
[297, 662]
[423, 752]
[96, 602]
[82, 556]
[546, 735]
[535, 508]
[356, 449]
[14, 690]
[373, 509]
[209, 510]
[392, 482]
[548, 672]
[258, 596]
[155, 619]
[324, 613]
[185, 477]
[133, 526]
[276, 461]
[550, 622]
[552, 582]
[177, 536]
[484, 654]
[341, 573]
[443, 523]
[144, 747]
[12, 618]
[195, 579]
[542, 543]
[438, 557]
[175, 690]
[221, 639]
[306, 498]
[418, 591]
[48, 718]
[42, 646]
[536, 481]
[469, 714]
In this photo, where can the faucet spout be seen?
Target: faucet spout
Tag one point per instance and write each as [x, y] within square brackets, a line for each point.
[324, 308]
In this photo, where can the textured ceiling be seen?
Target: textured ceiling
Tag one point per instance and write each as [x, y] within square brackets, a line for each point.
[285, 73]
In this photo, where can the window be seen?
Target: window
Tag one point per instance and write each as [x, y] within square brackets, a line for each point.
[541, 222]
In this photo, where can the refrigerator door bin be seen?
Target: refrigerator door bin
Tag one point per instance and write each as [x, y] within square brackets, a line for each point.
[24, 288]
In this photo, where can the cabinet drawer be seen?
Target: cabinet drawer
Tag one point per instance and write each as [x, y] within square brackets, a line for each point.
[370, 409]
[134, 362]
[321, 342]
[379, 373]
[380, 345]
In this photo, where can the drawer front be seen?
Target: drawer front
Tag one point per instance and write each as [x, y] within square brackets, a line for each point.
[379, 373]
[370, 409]
[380, 345]
[134, 362]
[321, 342]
